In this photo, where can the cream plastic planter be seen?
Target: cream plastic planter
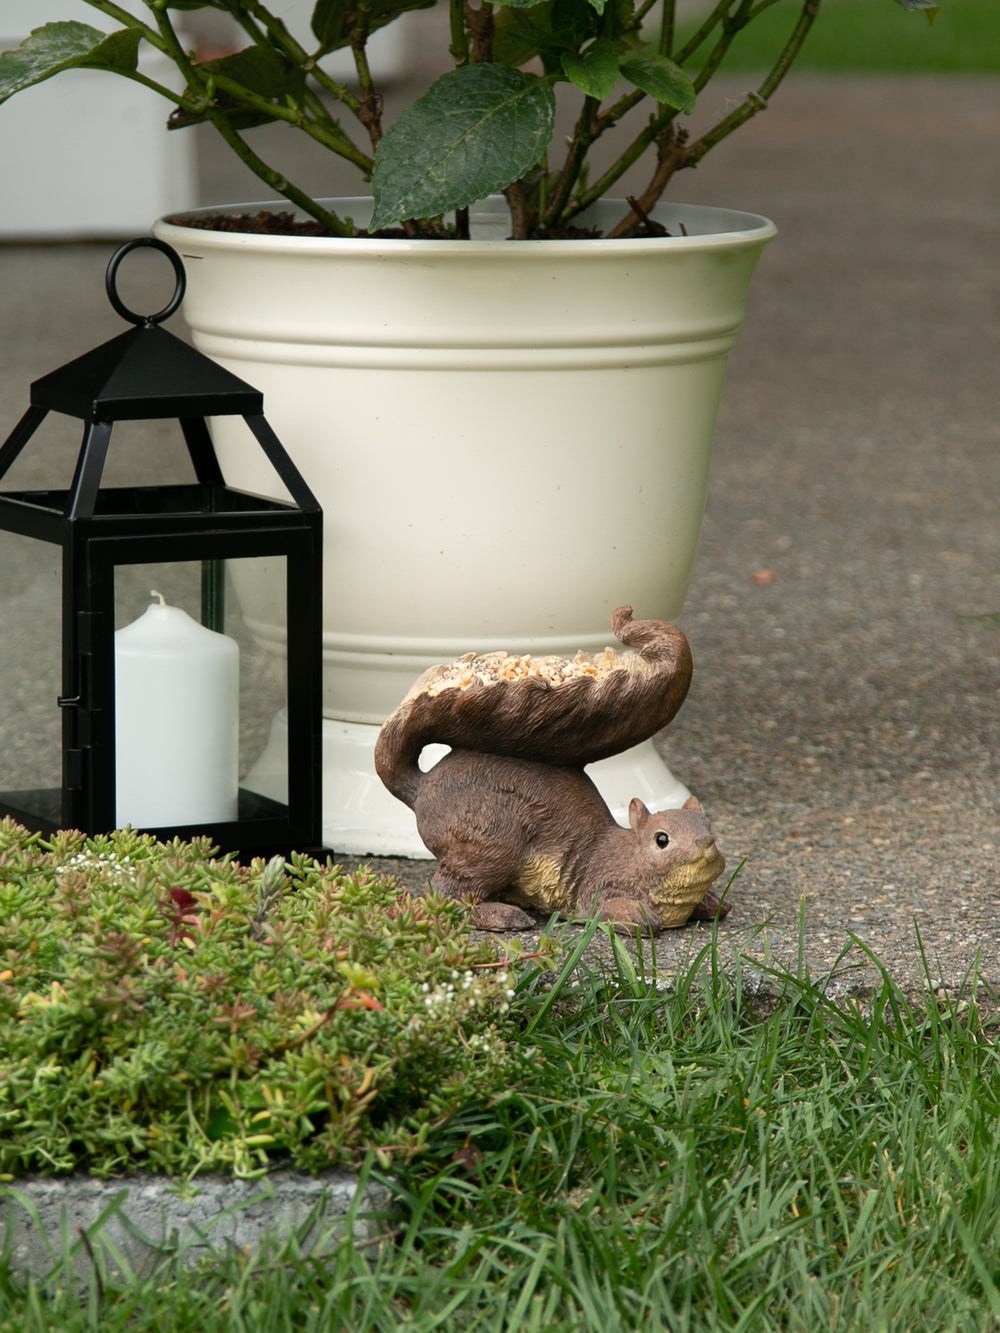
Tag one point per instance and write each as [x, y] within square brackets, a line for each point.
[509, 439]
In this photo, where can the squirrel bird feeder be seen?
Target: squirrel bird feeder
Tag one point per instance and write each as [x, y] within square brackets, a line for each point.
[510, 814]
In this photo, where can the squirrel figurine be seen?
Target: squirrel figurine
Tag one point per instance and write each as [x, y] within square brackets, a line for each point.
[510, 814]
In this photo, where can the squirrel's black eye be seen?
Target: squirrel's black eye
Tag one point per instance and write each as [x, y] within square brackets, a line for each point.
[662, 839]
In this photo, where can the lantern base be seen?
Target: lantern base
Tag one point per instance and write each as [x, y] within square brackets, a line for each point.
[256, 831]
[362, 818]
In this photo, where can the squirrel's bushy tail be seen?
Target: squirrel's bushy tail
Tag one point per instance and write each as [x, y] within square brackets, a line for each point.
[571, 722]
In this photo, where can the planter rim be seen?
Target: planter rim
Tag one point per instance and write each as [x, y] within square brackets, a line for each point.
[739, 228]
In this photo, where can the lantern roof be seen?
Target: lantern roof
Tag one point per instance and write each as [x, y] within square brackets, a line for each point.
[142, 374]
[147, 374]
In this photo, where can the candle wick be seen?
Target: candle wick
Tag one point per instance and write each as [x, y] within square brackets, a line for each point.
[154, 593]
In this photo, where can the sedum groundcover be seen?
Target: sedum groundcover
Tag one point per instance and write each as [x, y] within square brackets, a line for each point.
[167, 1010]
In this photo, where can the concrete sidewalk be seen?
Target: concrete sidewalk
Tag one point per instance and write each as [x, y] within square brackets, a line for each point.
[844, 723]
[843, 729]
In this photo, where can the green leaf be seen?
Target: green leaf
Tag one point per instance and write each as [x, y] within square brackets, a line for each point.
[333, 20]
[660, 78]
[515, 41]
[329, 23]
[549, 30]
[574, 22]
[58, 46]
[594, 71]
[259, 69]
[474, 131]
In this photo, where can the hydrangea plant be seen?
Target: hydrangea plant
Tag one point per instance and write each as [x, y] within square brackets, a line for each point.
[487, 125]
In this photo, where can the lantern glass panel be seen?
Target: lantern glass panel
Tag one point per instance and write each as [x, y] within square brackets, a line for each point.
[193, 728]
[30, 677]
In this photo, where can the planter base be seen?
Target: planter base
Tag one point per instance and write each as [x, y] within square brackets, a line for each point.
[361, 818]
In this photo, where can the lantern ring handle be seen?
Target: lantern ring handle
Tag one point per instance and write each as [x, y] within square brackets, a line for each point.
[110, 284]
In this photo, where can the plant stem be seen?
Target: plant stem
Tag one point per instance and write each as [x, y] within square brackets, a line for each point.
[718, 15]
[480, 25]
[789, 55]
[640, 13]
[279, 36]
[329, 135]
[322, 127]
[321, 114]
[635, 150]
[514, 195]
[156, 40]
[275, 29]
[459, 47]
[670, 156]
[171, 47]
[370, 114]
[339, 91]
[730, 28]
[667, 26]
[275, 180]
[614, 113]
[583, 136]
[124, 16]
[242, 16]
[674, 152]
[757, 101]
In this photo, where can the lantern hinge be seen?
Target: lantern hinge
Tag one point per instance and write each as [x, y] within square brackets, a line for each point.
[85, 624]
[74, 770]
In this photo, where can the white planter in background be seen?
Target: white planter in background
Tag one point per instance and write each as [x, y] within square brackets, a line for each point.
[509, 439]
[87, 149]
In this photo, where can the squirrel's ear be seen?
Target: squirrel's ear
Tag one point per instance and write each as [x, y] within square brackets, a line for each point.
[637, 812]
[692, 803]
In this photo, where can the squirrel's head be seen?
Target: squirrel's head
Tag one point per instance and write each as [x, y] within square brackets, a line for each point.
[679, 856]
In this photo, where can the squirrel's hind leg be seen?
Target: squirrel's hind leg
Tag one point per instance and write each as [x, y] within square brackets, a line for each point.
[488, 913]
[496, 915]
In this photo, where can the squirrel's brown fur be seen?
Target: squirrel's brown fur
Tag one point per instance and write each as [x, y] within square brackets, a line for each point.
[510, 814]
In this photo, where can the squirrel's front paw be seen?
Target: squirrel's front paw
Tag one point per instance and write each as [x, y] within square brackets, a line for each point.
[501, 916]
[626, 914]
[711, 908]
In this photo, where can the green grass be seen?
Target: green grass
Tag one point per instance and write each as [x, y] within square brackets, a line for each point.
[674, 1161]
[876, 35]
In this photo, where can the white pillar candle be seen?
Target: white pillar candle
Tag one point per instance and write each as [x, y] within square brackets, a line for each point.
[176, 721]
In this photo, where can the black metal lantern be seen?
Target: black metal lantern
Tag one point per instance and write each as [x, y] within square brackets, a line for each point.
[132, 690]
